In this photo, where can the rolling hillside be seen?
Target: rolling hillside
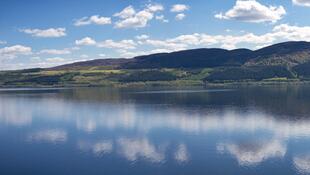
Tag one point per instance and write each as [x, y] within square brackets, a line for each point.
[283, 61]
[282, 54]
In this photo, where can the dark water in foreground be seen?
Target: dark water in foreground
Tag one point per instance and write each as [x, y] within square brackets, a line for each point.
[257, 130]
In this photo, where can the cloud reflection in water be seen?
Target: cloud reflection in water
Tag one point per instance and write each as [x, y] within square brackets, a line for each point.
[98, 148]
[253, 153]
[133, 149]
[143, 120]
[181, 155]
[50, 136]
[302, 163]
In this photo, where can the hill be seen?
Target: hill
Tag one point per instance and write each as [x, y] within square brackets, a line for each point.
[280, 62]
[282, 54]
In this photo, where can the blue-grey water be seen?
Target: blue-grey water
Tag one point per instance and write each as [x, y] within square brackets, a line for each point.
[215, 131]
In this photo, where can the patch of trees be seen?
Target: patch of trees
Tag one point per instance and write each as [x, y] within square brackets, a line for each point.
[249, 73]
[152, 75]
[303, 70]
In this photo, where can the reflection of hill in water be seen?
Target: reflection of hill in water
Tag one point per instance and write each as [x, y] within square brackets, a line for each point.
[292, 101]
[253, 126]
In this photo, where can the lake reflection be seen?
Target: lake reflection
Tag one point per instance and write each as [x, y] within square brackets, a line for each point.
[249, 130]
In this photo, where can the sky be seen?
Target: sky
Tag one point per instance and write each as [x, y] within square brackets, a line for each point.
[46, 33]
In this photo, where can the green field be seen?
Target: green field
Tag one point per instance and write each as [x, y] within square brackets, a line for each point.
[144, 77]
[38, 77]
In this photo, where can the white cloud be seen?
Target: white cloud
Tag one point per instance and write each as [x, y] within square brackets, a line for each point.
[87, 41]
[282, 32]
[302, 2]
[179, 8]
[129, 18]
[131, 54]
[84, 56]
[142, 37]
[55, 59]
[126, 13]
[2, 42]
[95, 19]
[55, 51]
[35, 59]
[46, 33]
[75, 48]
[155, 7]
[161, 18]
[168, 44]
[228, 46]
[102, 55]
[13, 51]
[289, 32]
[180, 16]
[253, 11]
[138, 21]
[123, 44]
[279, 33]
[111, 44]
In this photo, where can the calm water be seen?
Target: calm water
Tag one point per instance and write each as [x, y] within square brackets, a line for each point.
[245, 131]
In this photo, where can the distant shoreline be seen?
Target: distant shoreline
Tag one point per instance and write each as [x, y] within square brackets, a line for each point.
[165, 84]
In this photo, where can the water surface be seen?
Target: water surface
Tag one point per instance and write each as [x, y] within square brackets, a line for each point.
[249, 130]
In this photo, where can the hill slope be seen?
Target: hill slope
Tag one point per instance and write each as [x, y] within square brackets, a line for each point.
[282, 54]
[289, 61]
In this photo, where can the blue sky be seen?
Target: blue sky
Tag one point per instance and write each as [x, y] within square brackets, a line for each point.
[44, 33]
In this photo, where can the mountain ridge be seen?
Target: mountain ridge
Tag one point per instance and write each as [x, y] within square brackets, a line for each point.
[283, 62]
[283, 54]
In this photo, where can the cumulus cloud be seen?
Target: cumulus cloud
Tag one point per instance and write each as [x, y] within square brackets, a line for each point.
[161, 18]
[282, 32]
[2, 42]
[180, 16]
[302, 2]
[179, 8]
[55, 51]
[253, 11]
[142, 37]
[87, 41]
[46, 33]
[154, 7]
[55, 59]
[289, 32]
[123, 44]
[168, 44]
[95, 19]
[13, 51]
[111, 44]
[84, 56]
[126, 12]
[130, 54]
[130, 18]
